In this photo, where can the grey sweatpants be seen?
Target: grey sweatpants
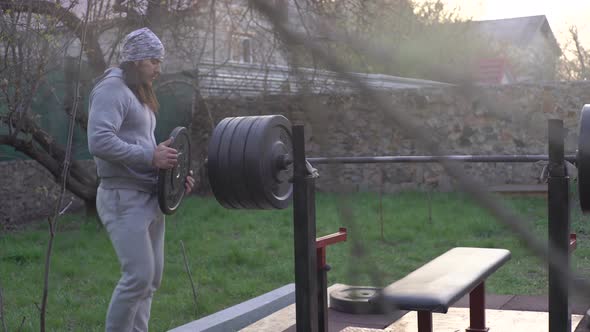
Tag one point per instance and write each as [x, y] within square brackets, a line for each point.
[135, 226]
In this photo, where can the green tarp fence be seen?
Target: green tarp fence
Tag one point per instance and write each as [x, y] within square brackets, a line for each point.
[48, 107]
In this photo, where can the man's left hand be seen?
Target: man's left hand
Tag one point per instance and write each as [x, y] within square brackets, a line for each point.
[190, 183]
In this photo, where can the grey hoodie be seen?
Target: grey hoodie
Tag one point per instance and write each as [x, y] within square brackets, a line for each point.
[121, 135]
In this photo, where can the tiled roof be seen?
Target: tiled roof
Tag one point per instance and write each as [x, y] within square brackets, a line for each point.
[518, 31]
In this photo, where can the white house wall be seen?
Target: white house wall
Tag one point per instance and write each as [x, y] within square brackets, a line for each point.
[234, 22]
[223, 69]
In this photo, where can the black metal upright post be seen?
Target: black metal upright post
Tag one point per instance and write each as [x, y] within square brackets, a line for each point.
[306, 286]
[322, 273]
[558, 229]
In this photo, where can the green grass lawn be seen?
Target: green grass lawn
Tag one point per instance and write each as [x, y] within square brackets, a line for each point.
[236, 255]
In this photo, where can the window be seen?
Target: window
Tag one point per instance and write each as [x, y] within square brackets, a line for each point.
[241, 48]
[246, 51]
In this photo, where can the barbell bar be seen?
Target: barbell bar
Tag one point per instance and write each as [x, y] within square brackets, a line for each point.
[531, 158]
[250, 161]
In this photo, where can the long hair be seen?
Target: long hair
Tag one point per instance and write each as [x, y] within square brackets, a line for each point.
[143, 91]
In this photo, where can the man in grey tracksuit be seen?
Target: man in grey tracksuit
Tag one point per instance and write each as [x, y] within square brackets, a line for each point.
[121, 138]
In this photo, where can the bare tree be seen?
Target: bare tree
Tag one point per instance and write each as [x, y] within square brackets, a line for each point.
[32, 48]
[575, 59]
[200, 32]
[35, 35]
[427, 40]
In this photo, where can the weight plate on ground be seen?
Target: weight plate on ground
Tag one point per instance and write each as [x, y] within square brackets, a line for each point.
[355, 300]
[246, 162]
[583, 159]
[171, 181]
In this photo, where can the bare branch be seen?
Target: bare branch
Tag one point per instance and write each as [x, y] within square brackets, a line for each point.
[68, 18]
[22, 323]
[63, 211]
[54, 151]
[48, 162]
[2, 312]
[64, 174]
[580, 53]
[190, 276]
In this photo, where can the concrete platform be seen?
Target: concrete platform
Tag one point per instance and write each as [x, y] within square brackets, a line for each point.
[275, 312]
[243, 314]
[284, 320]
[523, 303]
[505, 313]
[457, 319]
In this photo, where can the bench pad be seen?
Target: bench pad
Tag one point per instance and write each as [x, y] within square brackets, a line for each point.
[444, 280]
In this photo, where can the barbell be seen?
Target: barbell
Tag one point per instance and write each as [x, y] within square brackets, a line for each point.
[250, 161]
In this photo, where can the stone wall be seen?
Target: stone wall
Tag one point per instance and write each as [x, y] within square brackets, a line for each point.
[483, 120]
[463, 120]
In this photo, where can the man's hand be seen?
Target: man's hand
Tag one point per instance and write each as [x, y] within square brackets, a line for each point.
[190, 183]
[165, 157]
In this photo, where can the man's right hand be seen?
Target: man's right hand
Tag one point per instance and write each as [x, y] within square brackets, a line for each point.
[165, 157]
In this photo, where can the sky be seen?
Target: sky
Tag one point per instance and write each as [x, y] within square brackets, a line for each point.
[561, 13]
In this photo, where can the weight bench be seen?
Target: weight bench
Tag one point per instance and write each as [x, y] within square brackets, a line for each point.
[440, 283]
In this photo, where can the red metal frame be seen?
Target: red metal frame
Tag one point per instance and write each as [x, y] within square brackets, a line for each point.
[322, 275]
[424, 321]
[332, 238]
[322, 242]
[573, 242]
[477, 314]
[477, 309]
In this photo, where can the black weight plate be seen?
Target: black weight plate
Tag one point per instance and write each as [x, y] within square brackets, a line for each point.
[213, 171]
[171, 181]
[227, 196]
[279, 189]
[355, 300]
[272, 137]
[237, 163]
[254, 153]
[583, 159]
[242, 162]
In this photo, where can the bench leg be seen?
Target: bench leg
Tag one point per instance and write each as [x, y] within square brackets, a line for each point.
[477, 309]
[424, 321]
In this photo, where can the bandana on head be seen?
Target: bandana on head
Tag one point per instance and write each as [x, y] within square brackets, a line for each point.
[142, 44]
